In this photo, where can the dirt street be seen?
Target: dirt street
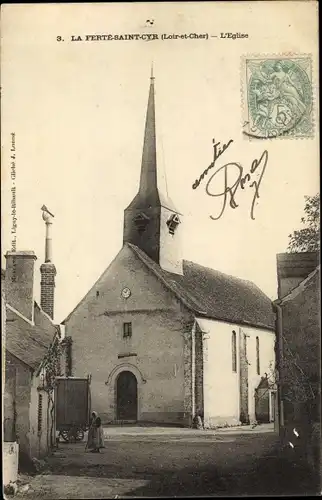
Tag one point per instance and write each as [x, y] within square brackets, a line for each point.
[169, 462]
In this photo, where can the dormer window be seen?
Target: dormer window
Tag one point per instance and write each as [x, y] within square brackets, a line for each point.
[173, 223]
[141, 221]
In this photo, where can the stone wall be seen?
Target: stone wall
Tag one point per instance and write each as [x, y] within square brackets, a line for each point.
[199, 384]
[155, 352]
[243, 377]
[301, 365]
[9, 401]
[23, 378]
[20, 281]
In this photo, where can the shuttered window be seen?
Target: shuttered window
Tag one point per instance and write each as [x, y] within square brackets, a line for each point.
[234, 351]
[39, 412]
[127, 330]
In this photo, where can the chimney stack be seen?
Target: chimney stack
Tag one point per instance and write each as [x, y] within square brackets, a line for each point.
[20, 282]
[292, 268]
[48, 269]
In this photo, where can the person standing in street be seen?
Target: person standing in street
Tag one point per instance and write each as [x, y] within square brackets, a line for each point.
[95, 439]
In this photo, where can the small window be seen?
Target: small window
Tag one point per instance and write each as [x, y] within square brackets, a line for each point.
[173, 223]
[258, 368]
[127, 330]
[39, 412]
[234, 351]
[141, 221]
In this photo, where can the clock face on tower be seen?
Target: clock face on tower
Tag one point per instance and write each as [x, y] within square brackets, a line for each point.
[126, 292]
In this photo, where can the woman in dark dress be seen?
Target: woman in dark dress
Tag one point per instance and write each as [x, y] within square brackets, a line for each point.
[95, 439]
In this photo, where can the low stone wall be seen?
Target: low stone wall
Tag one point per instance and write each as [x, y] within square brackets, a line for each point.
[10, 463]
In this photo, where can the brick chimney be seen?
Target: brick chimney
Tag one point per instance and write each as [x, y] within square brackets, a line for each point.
[292, 268]
[20, 282]
[48, 269]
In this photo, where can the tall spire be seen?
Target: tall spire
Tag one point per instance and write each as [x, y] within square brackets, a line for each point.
[153, 186]
[151, 220]
[148, 179]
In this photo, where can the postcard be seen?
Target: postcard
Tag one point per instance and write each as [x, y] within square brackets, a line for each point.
[160, 249]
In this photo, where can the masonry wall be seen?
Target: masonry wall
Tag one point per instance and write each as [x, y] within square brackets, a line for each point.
[47, 288]
[23, 376]
[158, 353]
[40, 421]
[9, 400]
[21, 397]
[199, 379]
[300, 370]
[243, 372]
[222, 386]
[302, 353]
[20, 281]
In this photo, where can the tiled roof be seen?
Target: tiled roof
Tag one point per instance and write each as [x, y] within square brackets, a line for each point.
[214, 294]
[28, 342]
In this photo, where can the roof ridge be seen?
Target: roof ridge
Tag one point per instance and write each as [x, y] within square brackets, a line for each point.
[19, 314]
[221, 296]
[299, 288]
[165, 280]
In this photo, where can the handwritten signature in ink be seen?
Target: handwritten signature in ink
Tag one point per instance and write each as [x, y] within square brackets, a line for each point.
[217, 153]
[240, 180]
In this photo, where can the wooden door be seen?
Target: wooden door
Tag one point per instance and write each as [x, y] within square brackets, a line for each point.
[126, 395]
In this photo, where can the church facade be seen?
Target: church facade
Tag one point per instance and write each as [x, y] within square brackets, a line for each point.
[165, 339]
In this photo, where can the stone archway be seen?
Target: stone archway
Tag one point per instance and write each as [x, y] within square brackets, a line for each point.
[126, 396]
[112, 394]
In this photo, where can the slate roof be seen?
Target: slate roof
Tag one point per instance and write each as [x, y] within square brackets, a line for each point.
[215, 295]
[29, 343]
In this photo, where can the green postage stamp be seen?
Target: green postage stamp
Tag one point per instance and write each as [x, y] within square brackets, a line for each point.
[277, 97]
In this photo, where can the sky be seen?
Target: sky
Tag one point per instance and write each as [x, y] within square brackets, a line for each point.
[78, 110]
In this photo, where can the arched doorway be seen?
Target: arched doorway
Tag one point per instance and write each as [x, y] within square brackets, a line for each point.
[126, 396]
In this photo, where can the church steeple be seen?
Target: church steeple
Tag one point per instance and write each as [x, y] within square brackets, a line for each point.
[153, 185]
[151, 221]
[148, 179]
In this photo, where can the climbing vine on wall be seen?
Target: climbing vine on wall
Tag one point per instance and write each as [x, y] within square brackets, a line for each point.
[67, 347]
[52, 365]
[52, 369]
[299, 386]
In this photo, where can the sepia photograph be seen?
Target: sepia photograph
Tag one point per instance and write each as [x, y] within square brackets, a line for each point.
[160, 261]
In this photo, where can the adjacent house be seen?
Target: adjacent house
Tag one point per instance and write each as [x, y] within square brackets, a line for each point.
[299, 334]
[164, 339]
[31, 358]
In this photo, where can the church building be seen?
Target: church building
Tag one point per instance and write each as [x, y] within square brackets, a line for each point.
[165, 339]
